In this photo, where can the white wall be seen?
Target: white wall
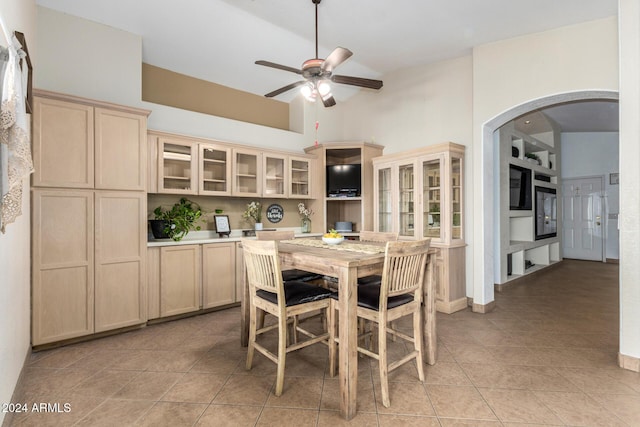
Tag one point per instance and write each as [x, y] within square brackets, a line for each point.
[629, 15]
[15, 279]
[595, 154]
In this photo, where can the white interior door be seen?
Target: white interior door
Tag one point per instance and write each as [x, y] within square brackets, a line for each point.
[583, 218]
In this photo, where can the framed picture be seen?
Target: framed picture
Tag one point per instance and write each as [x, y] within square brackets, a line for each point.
[222, 224]
[614, 179]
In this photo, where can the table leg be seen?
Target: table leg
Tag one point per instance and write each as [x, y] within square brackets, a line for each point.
[430, 345]
[348, 349]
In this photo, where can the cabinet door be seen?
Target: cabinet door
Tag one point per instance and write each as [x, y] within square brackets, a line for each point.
[120, 249]
[407, 217]
[63, 264]
[275, 180]
[383, 199]
[456, 197]
[177, 166]
[247, 169]
[214, 170]
[62, 144]
[299, 177]
[179, 279]
[431, 197]
[120, 150]
[218, 274]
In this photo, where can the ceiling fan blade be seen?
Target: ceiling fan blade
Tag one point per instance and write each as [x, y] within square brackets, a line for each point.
[285, 88]
[357, 81]
[329, 101]
[335, 58]
[279, 67]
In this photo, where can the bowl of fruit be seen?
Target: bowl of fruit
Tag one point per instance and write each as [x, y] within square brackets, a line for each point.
[332, 238]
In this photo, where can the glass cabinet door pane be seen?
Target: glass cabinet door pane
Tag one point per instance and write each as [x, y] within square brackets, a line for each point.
[274, 174]
[384, 200]
[215, 167]
[431, 199]
[405, 207]
[176, 166]
[246, 175]
[300, 177]
[456, 198]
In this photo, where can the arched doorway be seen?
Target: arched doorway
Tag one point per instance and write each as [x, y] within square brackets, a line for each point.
[486, 287]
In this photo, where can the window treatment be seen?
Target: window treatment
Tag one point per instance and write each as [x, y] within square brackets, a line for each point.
[15, 147]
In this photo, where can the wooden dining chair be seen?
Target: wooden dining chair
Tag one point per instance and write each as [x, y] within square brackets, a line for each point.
[375, 236]
[398, 295]
[284, 300]
[293, 274]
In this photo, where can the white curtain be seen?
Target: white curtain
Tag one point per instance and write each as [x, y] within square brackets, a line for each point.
[15, 148]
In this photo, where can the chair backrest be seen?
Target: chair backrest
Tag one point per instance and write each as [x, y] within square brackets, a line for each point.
[263, 266]
[275, 235]
[377, 236]
[404, 268]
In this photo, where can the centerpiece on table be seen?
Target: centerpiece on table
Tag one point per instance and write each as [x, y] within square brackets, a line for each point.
[305, 214]
[254, 213]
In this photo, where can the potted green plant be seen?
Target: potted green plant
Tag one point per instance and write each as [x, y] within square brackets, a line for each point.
[534, 157]
[178, 220]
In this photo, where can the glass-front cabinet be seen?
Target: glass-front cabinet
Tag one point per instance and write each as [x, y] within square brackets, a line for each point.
[247, 168]
[419, 194]
[177, 167]
[275, 179]
[299, 177]
[215, 170]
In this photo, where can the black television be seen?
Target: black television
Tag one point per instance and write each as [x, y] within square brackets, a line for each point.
[520, 188]
[344, 180]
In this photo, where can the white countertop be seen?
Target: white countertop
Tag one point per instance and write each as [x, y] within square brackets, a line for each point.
[210, 236]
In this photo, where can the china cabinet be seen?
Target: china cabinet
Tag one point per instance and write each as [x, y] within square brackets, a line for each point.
[418, 194]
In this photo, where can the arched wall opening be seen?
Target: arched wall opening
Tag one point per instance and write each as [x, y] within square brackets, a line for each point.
[484, 288]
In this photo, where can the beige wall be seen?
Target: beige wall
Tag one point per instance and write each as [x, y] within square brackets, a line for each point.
[15, 278]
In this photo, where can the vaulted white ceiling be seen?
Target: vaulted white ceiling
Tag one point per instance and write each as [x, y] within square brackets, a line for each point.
[219, 40]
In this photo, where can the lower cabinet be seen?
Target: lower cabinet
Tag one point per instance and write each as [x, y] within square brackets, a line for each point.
[218, 274]
[88, 262]
[449, 265]
[180, 270]
[187, 278]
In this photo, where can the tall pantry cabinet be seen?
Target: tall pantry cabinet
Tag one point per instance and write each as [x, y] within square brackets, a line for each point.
[88, 217]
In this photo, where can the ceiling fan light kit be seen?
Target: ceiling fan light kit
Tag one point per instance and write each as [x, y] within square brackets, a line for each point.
[318, 74]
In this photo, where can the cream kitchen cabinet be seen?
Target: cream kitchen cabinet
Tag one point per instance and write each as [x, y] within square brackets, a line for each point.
[218, 274]
[214, 167]
[275, 176]
[177, 166]
[300, 172]
[88, 262]
[180, 275]
[247, 173]
[80, 143]
[419, 194]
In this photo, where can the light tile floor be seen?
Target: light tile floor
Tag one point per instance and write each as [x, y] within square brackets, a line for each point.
[546, 356]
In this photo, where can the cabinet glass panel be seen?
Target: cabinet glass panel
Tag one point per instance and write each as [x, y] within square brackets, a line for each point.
[456, 198]
[405, 200]
[274, 176]
[176, 162]
[246, 173]
[215, 164]
[384, 200]
[431, 198]
[300, 177]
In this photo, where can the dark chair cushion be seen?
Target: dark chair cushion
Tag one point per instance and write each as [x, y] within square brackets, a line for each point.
[296, 293]
[299, 276]
[369, 297]
[370, 280]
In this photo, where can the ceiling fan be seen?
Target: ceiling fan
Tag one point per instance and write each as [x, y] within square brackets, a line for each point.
[318, 74]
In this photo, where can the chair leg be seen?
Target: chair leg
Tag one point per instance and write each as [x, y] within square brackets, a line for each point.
[261, 314]
[252, 337]
[383, 362]
[282, 355]
[417, 340]
[331, 319]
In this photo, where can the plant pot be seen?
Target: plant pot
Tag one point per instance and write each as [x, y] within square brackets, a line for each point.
[258, 226]
[157, 228]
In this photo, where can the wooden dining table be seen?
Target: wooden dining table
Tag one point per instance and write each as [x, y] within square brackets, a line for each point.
[348, 262]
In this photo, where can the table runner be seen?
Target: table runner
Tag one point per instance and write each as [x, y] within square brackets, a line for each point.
[344, 246]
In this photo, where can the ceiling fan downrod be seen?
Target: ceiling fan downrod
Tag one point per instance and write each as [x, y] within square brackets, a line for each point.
[316, 2]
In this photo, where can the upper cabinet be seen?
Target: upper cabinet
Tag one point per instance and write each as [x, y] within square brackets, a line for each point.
[79, 143]
[186, 165]
[419, 194]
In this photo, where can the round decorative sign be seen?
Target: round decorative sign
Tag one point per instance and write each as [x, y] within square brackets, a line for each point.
[275, 213]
